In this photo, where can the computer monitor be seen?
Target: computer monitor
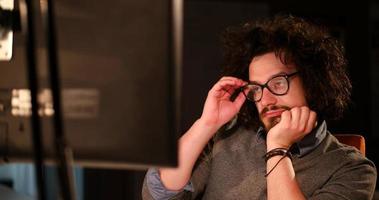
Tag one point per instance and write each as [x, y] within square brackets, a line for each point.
[119, 65]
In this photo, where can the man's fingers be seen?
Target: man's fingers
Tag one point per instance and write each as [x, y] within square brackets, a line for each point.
[239, 100]
[222, 87]
[295, 116]
[312, 120]
[286, 119]
[226, 86]
[303, 118]
[230, 78]
[222, 84]
[236, 81]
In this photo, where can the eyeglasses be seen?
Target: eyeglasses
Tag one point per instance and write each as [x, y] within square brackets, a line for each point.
[277, 85]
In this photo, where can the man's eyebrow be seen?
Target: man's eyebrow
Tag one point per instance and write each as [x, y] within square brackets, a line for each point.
[272, 76]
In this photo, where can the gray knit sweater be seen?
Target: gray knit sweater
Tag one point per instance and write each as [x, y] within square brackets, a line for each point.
[235, 169]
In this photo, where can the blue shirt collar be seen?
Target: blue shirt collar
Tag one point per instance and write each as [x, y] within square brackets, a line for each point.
[307, 144]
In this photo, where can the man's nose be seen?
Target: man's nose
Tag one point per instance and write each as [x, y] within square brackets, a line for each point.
[268, 98]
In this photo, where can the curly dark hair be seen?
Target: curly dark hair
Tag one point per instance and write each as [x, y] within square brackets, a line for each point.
[318, 57]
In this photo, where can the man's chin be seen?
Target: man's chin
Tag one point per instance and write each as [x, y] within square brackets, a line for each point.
[271, 122]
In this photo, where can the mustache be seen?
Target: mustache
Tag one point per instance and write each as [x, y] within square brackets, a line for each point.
[275, 107]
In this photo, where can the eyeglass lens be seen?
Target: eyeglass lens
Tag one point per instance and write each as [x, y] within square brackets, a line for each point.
[277, 85]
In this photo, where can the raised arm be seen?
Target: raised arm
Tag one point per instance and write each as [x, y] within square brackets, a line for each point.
[293, 126]
[218, 110]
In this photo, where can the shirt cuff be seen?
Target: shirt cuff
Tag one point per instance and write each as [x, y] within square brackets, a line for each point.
[156, 188]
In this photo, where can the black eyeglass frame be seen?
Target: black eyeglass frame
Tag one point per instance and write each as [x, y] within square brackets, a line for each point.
[286, 76]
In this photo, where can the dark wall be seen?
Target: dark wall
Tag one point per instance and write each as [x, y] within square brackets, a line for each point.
[203, 23]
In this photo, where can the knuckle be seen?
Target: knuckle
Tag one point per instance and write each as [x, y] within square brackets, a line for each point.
[313, 114]
[308, 129]
[304, 108]
[302, 128]
[294, 109]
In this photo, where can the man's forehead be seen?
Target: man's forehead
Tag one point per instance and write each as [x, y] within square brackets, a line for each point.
[264, 67]
[262, 73]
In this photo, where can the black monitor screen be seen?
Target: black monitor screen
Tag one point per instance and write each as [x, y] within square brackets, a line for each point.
[118, 78]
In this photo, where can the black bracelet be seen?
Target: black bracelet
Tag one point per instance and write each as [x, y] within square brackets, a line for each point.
[272, 169]
[277, 152]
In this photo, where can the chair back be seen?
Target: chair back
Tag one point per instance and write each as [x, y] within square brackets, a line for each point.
[354, 140]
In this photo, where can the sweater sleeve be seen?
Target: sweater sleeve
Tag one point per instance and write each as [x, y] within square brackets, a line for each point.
[156, 188]
[355, 179]
[153, 189]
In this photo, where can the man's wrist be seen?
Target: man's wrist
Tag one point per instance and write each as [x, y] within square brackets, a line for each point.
[208, 128]
[275, 145]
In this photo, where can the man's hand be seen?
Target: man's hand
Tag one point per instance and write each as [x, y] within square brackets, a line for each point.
[218, 108]
[293, 126]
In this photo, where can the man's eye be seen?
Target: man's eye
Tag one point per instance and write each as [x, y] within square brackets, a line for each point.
[279, 84]
[255, 90]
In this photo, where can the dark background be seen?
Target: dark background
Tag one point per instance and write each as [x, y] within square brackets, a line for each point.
[356, 24]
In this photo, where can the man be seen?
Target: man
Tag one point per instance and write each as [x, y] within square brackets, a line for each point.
[275, 145]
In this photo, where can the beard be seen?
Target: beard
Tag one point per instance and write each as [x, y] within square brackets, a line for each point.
[269, 123]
